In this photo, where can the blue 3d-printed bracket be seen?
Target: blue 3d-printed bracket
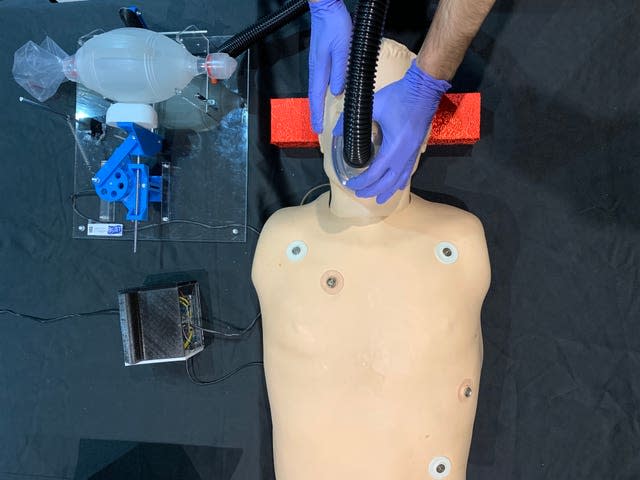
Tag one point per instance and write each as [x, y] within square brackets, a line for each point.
[117, 180]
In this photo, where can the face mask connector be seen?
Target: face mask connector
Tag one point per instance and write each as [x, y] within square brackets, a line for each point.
[343, 170]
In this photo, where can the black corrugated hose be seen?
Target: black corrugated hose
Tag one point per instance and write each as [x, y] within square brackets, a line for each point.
[365, 45]
[361, 75]
[263, 27]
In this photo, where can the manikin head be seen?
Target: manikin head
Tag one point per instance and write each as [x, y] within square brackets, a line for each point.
[394, 60]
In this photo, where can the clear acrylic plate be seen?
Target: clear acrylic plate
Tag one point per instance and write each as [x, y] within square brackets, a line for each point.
[203, 162]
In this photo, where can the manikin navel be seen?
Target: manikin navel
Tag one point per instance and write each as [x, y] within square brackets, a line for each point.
[371, 323]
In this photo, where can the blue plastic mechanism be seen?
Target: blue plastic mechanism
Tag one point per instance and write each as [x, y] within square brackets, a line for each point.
[116, 181]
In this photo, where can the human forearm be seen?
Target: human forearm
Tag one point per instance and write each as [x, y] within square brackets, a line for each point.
[455, 24]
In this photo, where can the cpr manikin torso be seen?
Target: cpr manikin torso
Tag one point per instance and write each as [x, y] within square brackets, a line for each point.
[371, 322]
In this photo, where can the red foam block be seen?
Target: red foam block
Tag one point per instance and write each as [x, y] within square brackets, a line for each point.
[456, 122]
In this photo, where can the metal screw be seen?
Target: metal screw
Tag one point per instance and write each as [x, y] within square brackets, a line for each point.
[144, 185]
[447, 251]
[235, 231]
[82, 228]
[467, 392]
[332, 282]
[165, 219]
[440, 468]
[211, 101]
[296, 250]
[95, 180]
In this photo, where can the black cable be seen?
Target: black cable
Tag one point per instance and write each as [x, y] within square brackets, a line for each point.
[237, 335]
[263, 27]
[311, 190]
[194, 378]
[114, 311]
[88, 193]
[46, 320]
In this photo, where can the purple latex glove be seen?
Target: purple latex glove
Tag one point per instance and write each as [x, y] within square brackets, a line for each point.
[404, 110]
[328, 54]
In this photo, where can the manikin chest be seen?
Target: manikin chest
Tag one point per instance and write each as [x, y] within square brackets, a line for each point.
[386, 305]
[369, 339]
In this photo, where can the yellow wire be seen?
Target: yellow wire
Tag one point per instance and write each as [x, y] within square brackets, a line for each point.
[187, 342]
[187, 304]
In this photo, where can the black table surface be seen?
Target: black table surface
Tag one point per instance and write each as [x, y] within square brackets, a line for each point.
[554, 180]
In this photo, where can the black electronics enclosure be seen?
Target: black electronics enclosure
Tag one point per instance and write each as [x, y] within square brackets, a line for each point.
[161, 324]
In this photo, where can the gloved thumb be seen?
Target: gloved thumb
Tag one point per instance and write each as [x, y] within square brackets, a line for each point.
[339, 59]
[338, 130]
[318, 80]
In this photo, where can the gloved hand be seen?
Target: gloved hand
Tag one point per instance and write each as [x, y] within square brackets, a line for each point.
[404, 110]
[328, 54]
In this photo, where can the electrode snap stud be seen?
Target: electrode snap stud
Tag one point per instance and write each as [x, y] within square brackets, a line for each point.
[440, 467]
[332, 282]
[297, 250]
[446, 252]
[465, 391]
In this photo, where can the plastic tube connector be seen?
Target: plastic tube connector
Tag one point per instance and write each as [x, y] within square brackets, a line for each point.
[343, 170]
[220, 66]
[69, 68]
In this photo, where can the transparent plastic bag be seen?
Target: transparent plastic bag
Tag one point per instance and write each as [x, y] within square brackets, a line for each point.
[39, 68]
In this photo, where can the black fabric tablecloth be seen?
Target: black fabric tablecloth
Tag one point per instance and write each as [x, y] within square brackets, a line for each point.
[554, 180]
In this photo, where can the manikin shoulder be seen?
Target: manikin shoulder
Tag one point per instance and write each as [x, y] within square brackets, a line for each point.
[287, 221]
[281, 228]
[443, 219]
[421, 228]
[447, 225]
[425, 219]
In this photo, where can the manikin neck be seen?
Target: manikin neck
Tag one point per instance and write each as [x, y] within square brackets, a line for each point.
[364, 211]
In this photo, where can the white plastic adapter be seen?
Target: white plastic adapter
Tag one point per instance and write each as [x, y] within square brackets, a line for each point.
[140, 113]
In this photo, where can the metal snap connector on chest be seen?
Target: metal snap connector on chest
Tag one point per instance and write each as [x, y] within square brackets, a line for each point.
[465, 390]
[440, 467]
[297, 250]
[446, 252]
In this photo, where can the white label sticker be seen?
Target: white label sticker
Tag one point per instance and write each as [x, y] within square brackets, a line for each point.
[105, 229]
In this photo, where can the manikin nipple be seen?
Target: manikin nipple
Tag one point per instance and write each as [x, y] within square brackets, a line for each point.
[332, 282]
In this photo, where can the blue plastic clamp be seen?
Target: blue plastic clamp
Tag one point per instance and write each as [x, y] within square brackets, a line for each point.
[116, 180]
